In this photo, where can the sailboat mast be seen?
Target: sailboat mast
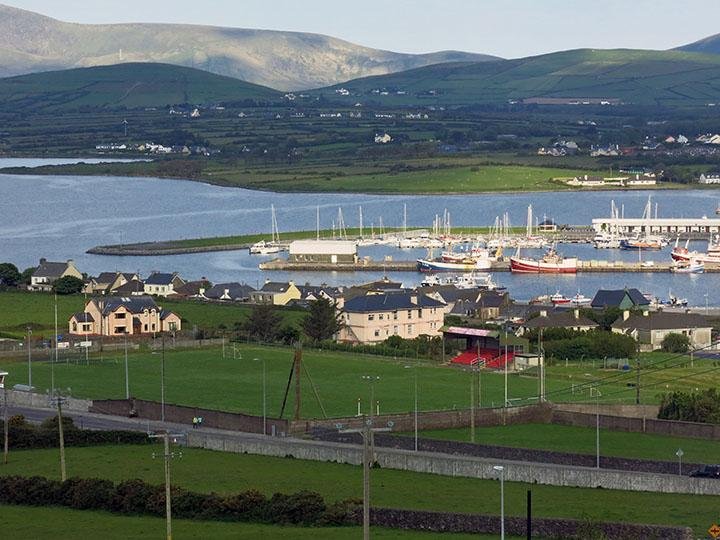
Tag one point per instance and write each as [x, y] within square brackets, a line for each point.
[317, 223]
[361, 223]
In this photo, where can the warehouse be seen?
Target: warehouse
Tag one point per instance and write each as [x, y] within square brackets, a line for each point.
[323, 251]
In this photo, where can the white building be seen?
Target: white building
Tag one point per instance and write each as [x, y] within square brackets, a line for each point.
[323, 251]
[709, 178]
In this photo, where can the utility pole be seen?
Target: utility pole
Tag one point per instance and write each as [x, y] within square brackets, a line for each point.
[372, 379]
[29, 333]
[127, 376]
[506, 366]
[167, 456]
[298, 387]
[57, 400]
[6, 429]
[52, 363]
[472, 404]
[162, 381]
[416, 409]
[366, 432]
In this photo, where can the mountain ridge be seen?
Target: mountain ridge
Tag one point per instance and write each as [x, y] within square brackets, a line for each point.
[31, 42]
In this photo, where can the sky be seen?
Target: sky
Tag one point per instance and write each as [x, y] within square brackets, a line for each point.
[507, 28]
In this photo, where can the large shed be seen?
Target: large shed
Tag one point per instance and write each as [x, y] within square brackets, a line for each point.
[323, 251]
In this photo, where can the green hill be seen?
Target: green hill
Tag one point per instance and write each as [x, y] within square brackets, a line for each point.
[668, 78]
[709, 45]
[125, 86]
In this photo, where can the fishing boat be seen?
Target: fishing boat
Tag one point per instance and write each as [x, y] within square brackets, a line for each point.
[464, 265]
[475, 252]
[558, 299]
[717, 209]
[691, 267]
[646, 242]
[683, 253]
[470, 280]
[580, 300]
[551, 263]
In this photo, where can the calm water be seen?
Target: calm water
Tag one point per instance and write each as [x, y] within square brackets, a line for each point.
[60, 217]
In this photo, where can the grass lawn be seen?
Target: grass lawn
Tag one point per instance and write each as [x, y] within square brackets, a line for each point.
[581, 440]
[203, 470]
[203, 378]
[69, 524]
[20, 309]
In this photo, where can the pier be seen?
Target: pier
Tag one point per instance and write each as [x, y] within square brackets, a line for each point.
[589, 266]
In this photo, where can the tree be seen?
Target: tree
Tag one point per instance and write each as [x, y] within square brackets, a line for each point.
[322, 321]
[263, 323]
[9, 275]
[27, 274]
[68, 285]
[675, 343]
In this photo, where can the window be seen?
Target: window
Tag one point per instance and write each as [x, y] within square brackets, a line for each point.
[153, 327]
[173, 326]
[119, 315]
[409, 313]
[395, 330]
[419, 313]
[371, 317]
[377, 332]
[381, 316]
[119, 329]
[410, 329]
[74, 327]
[145, 327]
[395, 315]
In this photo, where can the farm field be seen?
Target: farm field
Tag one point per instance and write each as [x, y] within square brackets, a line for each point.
[236, 380]
[69, 524]
[204, 471]
[581, 440]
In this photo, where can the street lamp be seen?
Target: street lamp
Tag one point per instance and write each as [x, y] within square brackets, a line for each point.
[264, 394]
[501, 470]
[127, 375]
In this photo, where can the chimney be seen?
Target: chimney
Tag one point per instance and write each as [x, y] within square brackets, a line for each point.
[646, 313]
[413, 299]
[543, 313]
[626, 315]
[43, 260]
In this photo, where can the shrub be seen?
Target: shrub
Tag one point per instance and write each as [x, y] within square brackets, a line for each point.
[131, 497]
[675, 343]
[246, 506]
[341, 512]
[304, 507]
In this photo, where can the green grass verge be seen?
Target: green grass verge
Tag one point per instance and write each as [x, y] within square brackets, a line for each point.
[68, 524]
[581, 440]
[204, 471]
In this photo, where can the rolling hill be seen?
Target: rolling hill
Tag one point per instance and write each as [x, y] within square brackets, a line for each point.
[30, 43]
[125, 85]
[664, 78]
[709, 45]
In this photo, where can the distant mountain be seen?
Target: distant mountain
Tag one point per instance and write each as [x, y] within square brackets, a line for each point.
[30, 42]
[125, 85]
[709, 45]
[628, 76]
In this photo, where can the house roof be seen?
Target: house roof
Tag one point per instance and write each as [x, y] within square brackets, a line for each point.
[613, 298]
[561, 319]
[50, 269]
[191, 288]
[164, 314]
[234, 291]
[662, 320]
[106, 277]
[160, 278]
[389, 302]
[315, 290]
[83, 317]
[132, 286]
[275, 287]
[134, 304]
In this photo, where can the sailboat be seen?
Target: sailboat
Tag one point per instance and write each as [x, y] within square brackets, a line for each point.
[266, 248]
[645, 240]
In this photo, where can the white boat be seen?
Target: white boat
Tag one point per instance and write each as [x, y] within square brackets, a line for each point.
[466, 265]
[559, 299]
[274, 246]
[580, 300]
[683, 254]
[470, 280]
[692, 267]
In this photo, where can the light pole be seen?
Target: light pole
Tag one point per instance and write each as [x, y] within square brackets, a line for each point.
[264, 395]
[679, 455]
[29, 333]
[506, 366]
[127, 376]
[371, 379]
[501, 470]
[597, 428]
[416, 410]
[6, 437]
[162, 381]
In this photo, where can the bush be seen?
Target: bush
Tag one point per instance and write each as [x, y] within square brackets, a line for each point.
[26, 436]
[247, 506]
[691, 406]
[304, 507]
[675, 343]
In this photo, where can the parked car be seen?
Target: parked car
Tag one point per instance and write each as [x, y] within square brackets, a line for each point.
[707, 471]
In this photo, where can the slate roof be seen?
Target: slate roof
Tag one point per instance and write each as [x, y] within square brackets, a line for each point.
[83, 317]
[389, 302]
[191, 288]
[160, 278]
[663, 320]
[562, 319]
[275, 287]
[106, 277]
[612, 298]
[134, 304]
[50, 269]
[315, 290]
[236, 291]
[132, 286]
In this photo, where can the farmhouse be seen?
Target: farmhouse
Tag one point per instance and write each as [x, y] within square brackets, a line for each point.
[709, 178]
[234, 292]
[571, 320]
[650, 328]
[108, 282]
[276, 293]
[47, 273]
[375, 317]
[116, 316]
[162, 284]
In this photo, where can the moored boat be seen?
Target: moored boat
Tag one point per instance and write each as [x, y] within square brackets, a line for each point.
[551, 263]
[691, 267]
[465, 265]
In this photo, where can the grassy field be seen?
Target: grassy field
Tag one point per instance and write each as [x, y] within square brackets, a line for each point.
[204, 471]
[68, 524]
[236, 383]
[582, 441]
[20, 309]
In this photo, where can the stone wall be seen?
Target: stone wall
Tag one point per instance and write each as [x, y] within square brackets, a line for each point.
[40, 401]
[152, 410]
[628, 411]
[465, 466]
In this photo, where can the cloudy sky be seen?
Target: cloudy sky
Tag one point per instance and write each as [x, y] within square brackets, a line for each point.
[508, 28]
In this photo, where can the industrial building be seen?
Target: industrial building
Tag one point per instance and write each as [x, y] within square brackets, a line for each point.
[323, 251]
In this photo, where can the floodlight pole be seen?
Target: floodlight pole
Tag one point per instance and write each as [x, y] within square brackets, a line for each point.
[6, 429]
[29, 332]
[162, 381]
[58, 400]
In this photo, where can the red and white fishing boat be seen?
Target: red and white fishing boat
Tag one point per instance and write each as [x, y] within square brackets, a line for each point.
[684, 255]
[559, 299]
[551, 263]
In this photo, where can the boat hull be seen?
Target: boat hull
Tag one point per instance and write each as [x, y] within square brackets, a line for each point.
[442, 266]
[532, 266]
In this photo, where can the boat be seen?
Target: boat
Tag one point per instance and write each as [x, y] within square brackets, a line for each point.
[475, 252]
[646, 242]
[274, 246]
[559, 299]
[692, 267]
[683, 254]
[551, 263]
[580, 300]
[470, 280]
[717, 209]
[465, 265]
[609, 239]
[676, 301]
